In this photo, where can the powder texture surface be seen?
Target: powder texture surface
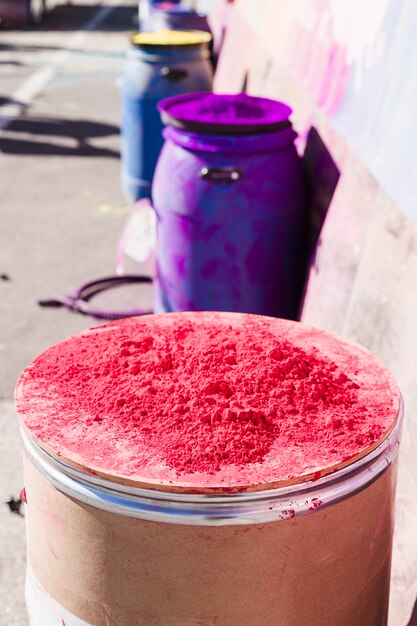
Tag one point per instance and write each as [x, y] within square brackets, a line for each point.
[207, 400]
[224, 109]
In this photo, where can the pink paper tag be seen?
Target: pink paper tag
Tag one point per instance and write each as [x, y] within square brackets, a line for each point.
[138, 239]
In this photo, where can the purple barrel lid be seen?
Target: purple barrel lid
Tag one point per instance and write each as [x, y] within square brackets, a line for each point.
[228, 114]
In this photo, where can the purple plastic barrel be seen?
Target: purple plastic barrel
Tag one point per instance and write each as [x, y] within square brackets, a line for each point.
[229, 196]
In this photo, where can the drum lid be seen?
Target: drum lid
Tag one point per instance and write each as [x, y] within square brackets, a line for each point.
[171, 38]
[227, 114]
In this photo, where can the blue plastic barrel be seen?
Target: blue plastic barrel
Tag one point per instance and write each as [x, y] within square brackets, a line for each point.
[159, 4]
[159, 65]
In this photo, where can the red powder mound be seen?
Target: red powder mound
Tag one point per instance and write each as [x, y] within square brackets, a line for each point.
[207, 399]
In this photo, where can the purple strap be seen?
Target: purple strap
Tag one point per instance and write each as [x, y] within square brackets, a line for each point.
[79, 299]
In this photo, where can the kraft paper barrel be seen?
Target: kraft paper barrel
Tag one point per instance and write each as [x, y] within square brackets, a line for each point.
[103, 549]
[158, 65]
[230, 205]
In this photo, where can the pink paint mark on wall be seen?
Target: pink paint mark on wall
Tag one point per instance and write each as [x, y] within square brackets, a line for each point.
[331, 40]
[332, 87]
[235, 59]
[318, 63]
[54, 554]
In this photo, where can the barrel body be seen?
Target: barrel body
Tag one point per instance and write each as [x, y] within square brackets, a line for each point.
[148, 78]
[230, 223]
[157, 4]
[121, 534]
[92, 567]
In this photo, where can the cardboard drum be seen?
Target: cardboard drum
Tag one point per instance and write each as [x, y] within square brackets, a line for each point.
[193, 469]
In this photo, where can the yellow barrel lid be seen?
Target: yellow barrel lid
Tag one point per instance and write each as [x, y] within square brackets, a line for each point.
[171, 38]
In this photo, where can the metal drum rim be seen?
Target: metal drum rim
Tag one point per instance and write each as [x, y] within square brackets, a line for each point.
[253, 507]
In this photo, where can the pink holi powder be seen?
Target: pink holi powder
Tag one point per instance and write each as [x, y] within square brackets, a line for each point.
[207, 400]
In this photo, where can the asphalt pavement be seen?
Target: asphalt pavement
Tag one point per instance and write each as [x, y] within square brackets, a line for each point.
[62, 209]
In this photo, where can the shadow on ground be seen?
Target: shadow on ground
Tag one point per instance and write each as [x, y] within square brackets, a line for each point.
[4, 100]
[322, 176]
[81, 131]
[70, 17]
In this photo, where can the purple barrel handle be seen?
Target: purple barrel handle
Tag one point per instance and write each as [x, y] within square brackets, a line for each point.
[79, 300]
[221, 175]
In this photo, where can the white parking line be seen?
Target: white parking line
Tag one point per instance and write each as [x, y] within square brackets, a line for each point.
[34, 84]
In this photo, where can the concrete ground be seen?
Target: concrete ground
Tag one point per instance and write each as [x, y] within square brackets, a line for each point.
[62, 210]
